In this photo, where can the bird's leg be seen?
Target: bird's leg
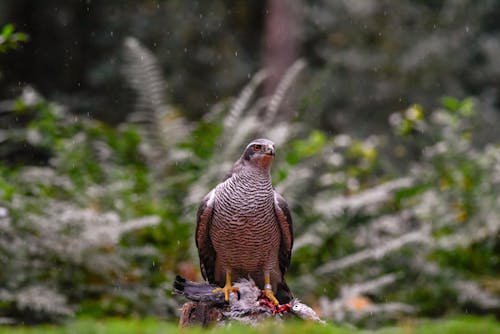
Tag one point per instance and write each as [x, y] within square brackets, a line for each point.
[227, 288]
[268, 289]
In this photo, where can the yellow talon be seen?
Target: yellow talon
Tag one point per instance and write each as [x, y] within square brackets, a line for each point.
[270, 295]
[227, 288]
[268, 289]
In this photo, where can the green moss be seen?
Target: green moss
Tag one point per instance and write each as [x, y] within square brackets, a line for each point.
[465, 324]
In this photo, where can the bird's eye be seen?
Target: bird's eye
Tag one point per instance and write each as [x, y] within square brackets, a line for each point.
[257, 147]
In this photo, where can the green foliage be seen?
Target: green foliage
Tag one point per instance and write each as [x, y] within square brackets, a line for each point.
[462, 325]
[11, 40]
[96, 219]
[83, 227]
[114, 208]
[465, 107]
[442, 207]
[303, 149]
[373, 58]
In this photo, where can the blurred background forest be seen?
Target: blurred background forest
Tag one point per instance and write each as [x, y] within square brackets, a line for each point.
[116, 118]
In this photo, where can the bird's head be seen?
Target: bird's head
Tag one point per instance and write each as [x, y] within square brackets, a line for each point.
[259, 152]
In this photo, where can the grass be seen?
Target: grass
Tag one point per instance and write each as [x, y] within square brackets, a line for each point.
[460, 325]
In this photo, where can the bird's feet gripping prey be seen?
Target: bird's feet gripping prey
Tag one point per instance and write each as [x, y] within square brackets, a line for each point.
[268, 293]
[227, 288]
[268, 290]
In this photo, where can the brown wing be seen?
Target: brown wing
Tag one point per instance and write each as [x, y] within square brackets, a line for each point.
[206, 251]
[285, 223]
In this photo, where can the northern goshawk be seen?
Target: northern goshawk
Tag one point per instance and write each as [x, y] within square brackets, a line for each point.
[244, 227]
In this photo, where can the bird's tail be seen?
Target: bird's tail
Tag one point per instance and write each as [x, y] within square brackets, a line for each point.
[197, 291]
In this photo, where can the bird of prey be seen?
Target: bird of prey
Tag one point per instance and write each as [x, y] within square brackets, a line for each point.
[244, 228]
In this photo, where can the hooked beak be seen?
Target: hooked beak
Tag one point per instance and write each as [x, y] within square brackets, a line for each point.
[269, 150]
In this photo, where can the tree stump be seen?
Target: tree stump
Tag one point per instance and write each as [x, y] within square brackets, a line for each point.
[199, 313]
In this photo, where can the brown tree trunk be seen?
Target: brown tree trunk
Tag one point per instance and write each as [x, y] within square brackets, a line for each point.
[281, 43]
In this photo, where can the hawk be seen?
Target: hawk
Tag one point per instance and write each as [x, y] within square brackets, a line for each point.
[244, 228]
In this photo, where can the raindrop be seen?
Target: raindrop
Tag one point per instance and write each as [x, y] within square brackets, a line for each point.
[236, 53]
[467, 29]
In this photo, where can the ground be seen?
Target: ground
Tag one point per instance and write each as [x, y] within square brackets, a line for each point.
[460, 325]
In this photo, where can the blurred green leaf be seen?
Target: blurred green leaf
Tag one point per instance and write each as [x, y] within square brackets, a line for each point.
[450, 103]
[303, 149]
[465, 107]
[7, 31]
[10, 40]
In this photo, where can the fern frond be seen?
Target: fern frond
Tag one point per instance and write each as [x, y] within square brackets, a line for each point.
[243, 99]
[284, 85]
[161, 126]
